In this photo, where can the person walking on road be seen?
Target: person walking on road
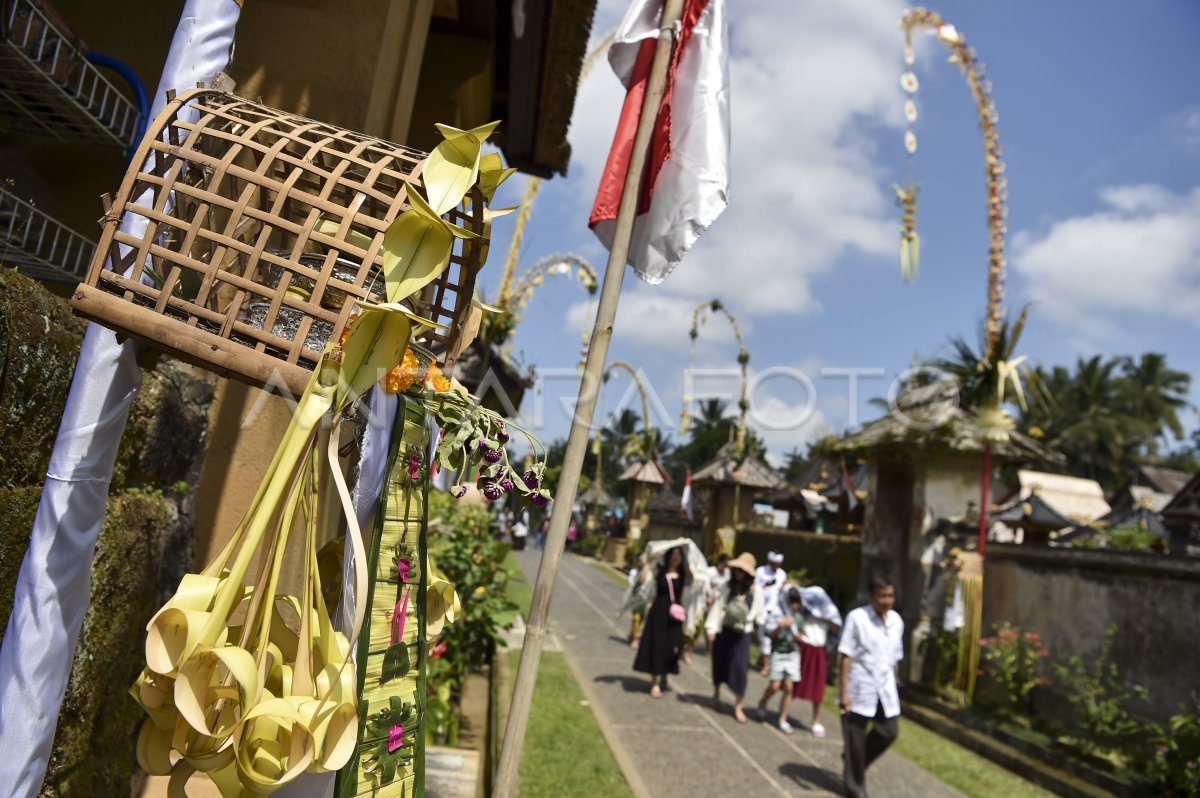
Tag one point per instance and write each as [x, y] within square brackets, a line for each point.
[662, 633]
[731, 620]
[638, 612]
[783, 671]
[871, 646]
[821, 617]
[770, 579]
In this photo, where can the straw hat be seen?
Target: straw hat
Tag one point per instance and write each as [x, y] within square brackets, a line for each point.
[745, 561]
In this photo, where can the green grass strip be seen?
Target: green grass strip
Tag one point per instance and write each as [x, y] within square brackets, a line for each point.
[565, 751]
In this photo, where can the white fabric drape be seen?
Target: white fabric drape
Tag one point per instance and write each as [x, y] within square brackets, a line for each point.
[692, 186]
[54, 582]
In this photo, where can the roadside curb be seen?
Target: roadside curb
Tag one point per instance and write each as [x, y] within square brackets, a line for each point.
[1051, 778]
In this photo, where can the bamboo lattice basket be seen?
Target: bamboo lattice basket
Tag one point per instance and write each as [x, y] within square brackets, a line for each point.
[241, 235]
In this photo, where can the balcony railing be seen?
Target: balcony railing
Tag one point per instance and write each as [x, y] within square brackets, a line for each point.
[48, 88]
[39, 246]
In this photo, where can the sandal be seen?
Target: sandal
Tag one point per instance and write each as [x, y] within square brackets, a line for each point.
[655, 691]
[738, 715]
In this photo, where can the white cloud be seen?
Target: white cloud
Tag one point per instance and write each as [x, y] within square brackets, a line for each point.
[807, 77]
[1186, 126]
[652, 316]
[1137, 254]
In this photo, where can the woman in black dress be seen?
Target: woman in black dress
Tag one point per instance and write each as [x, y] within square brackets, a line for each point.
[731, 619]
[662, 636]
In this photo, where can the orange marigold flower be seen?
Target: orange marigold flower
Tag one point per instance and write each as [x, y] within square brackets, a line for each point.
[401, 378]
[434, 375]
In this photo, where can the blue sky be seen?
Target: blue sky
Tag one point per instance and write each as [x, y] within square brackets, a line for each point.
[1100, 119]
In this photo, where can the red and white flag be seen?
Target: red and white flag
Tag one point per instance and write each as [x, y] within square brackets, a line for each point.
[687, 173]
[848, 486]
[686, 508]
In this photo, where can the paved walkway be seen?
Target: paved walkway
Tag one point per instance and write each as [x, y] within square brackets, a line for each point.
[678, 745]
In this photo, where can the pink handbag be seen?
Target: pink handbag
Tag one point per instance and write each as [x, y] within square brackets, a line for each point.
[676, 610]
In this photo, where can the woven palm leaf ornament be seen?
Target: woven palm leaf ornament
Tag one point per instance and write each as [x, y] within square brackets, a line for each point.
[253, 687]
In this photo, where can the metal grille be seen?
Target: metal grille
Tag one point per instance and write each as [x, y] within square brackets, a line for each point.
[241, 235]
[47, 88]
[38, 245]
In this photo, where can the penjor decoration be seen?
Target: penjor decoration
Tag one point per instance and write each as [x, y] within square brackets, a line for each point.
[975, 73]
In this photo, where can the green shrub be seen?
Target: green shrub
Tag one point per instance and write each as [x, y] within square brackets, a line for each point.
[1125, 538]
[462, 547]
[1173, 769]
[633, 551]
[589, 545]
[1100, 697]
[1012, 658]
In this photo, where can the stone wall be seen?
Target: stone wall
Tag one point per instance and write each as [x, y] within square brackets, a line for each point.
[1072, 596]
[147, 540]
[832, 561]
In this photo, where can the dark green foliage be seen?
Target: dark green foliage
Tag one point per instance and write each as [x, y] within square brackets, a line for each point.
[1101, 700]
[462, 547]
[18, 506]
[1124, 538]
[1109, 415]
[39, 340]
[1174, 766]
[710, 430]
[1013, 659]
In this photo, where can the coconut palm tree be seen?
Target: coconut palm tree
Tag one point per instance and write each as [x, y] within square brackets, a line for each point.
[1088, 421]
[1155, 394]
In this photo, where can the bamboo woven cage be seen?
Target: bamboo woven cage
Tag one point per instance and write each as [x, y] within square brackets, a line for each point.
[241, 234]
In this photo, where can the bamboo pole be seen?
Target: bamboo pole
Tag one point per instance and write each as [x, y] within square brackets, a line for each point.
[505, 785]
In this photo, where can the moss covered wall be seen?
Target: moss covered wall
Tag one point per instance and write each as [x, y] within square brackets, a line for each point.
[92, 743]
[146, 543]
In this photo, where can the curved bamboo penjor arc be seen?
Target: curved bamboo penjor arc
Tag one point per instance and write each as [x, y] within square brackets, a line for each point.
[975, 73]
[516, 299]
[636, 376]
[699, 317]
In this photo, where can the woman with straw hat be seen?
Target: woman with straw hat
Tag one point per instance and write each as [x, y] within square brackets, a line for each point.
[738, 607]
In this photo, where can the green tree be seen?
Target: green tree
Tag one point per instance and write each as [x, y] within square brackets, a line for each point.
[1087, 420]
[1155, 394]
[711, 429]
[795, 462]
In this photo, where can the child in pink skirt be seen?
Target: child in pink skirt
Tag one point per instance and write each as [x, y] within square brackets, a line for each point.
[814, 661]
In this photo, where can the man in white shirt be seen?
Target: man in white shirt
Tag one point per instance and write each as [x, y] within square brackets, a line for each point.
[769, 578]
[872, 644]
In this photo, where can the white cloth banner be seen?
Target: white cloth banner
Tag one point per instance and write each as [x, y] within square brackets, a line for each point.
[54, 582]
[689, 175]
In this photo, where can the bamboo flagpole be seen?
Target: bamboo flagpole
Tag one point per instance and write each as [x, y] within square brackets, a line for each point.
[577, 441]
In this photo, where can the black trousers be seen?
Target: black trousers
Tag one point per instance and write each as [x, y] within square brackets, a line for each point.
[863, 748]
